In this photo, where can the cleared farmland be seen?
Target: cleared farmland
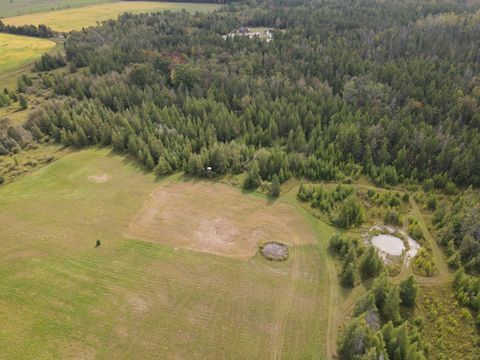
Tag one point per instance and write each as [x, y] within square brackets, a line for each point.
[75, 19]
[20, 7]
[217, 219]
[133, 298]
[17, 51]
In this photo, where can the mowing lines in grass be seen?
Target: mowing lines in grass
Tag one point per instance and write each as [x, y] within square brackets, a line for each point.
[62, 297]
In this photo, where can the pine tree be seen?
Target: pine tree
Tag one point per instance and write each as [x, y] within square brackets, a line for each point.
[371, 264]
[163, 168]
[275, 188]
[148, 161]
[252, 180]
[391, 308]
[408, 291]
[23, 102]
[347, 277]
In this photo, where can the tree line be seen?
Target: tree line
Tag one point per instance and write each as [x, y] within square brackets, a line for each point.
[41, 30]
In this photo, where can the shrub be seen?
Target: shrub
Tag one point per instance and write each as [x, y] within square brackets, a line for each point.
[371, 264]
[351, 213]
[275, 187]
[408, 291]
[23, 102]
[415, 231]
[392, 217]
[432, 202]
[423, 263]
[252, 180]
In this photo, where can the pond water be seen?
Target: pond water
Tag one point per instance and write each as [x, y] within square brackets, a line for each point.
[389, 244]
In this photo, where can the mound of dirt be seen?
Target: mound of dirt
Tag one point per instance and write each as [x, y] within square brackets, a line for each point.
[274, 251]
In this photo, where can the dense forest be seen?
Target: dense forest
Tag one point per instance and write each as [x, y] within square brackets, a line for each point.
[381, 91]
[387, 90]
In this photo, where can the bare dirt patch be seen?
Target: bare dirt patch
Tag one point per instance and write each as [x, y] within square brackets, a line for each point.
[138, 304]
[101, 178]
[217, 219]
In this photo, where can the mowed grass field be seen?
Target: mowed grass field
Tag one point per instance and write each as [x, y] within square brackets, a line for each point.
[60, 297]
[20, 7]
[17, 51]
[220, 220]
[76, 19]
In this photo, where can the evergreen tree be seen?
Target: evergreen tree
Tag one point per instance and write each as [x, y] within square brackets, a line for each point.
[23, 101]
[371, 264]
[275, 187]
[391, 308]
[347, 278]
[408, 291]
[163, 168]
[359, 341]
[351, 213]
[252, 179]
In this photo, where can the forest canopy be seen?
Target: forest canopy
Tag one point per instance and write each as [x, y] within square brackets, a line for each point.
[389, 90]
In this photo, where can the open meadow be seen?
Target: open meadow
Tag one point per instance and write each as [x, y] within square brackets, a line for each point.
[17, 51]
[76, 19]
[21, 7]
[64, 298]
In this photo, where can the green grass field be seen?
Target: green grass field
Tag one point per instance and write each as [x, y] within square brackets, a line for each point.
[150, 296]
[21, 7]
[75, 19]
[63, 298]
[18, 51]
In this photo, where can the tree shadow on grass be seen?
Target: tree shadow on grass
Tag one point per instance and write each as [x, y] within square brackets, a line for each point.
[128, 160]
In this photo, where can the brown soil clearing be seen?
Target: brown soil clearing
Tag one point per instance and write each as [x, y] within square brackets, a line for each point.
[217, 219]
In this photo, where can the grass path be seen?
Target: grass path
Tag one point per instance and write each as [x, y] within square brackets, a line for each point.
[282, 311]
[444, 274]
[333, 297]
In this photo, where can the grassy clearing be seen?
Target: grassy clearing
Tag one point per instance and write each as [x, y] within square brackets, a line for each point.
[220, 220]
[18, 51]
[63, 298]
[20, 59]
[75, 19]
[21, 7]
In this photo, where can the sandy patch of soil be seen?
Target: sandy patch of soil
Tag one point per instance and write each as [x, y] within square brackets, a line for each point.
[217, 219]
[101, 178]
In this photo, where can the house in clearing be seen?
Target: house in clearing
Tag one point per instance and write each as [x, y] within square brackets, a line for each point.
[261, 33]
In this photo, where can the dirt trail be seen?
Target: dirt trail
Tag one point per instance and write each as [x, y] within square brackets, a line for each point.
[444, 275]
[281, 314]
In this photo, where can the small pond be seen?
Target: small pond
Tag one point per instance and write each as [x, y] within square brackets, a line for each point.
[389, 244]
